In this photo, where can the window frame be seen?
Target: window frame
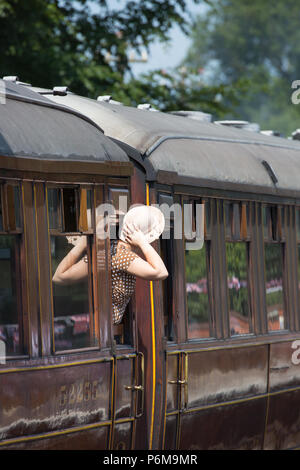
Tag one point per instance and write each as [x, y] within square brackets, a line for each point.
[245, 237]
[18, 232]
[90, 233]
[276, 235]
[207, 246]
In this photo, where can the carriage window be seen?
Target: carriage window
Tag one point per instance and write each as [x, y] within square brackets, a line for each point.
[273, 219]
[298, 242]
[274, 286]
[1, 211]
[71, 234]
[10, 295]
[237, 265]
[236, 217]
[196, 278]
[119, 198]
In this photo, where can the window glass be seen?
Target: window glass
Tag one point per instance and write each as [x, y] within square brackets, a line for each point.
[71, 302]
[274, 286]
[70, 212]
[237, 281]
[299, 270]
[1, 213]
[228, 219]
[167, 254]
[197, 293]
[9, 321]
[54, 212]
[17, 206]
[119, 198]
[266, 215]
[89, 203]
[298, 223]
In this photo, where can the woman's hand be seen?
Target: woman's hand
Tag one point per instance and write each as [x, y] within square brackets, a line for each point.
[134, 236]
[77, 240]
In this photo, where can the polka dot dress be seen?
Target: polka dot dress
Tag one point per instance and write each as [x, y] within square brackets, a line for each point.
[123, 283]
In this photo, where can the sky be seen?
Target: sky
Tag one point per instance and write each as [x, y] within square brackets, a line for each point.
[163, 56]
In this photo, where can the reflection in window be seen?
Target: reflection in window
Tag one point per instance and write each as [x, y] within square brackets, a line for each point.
[13, 206]
[197, 293]
[1, 213]
[70, 304]
[237, 281]
[9, 321]
[274, 286]
[298, 223]
[69, 207]
[54, 208]
[299, 270]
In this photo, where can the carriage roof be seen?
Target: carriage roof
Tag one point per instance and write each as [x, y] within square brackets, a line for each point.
[193, 151]
[32, 126]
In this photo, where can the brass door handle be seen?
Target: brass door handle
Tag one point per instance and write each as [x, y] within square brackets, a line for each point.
[176, 382]
[134, 387]
[139, 388]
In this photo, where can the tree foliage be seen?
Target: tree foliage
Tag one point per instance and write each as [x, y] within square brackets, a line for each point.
[57, 42]
[256, 41]
[64, 42]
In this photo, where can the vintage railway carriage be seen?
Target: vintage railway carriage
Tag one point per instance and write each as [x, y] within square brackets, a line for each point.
[213, 352]
[63, 385]
[224, 358]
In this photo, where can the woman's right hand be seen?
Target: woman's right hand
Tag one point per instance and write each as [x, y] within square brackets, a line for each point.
[134, 236]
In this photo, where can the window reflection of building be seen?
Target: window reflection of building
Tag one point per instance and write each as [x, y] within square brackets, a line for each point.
[237, 240]
[273, 232]
[196, 278]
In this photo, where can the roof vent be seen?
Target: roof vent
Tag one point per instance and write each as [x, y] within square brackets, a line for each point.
[271, 133]
[10, 78]
[296, 134]
[60, 90]
[15, 79]
[146, 106]
[196, 115]
[246, 125]
[108, 99]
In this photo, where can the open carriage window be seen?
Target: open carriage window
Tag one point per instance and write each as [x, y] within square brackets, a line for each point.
[119, 198]
[70, 215]
[273, 218]
[197, 267]
[237, 238]
[11, 233]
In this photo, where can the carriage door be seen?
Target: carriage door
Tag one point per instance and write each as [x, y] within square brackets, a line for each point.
[129, 399]
[128, 402]
[176, 397]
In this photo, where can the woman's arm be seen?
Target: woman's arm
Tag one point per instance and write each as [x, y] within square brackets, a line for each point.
[153, 269]
[70, 270]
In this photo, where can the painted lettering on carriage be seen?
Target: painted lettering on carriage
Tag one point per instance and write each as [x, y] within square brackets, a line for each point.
[296, 353]
[78, 392]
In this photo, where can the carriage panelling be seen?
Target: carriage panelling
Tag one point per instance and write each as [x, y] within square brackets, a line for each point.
[43, 399]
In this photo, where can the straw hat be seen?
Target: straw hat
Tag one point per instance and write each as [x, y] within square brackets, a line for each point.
[150, 220]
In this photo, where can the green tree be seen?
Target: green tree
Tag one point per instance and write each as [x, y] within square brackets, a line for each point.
[64, 42]
[258, 42]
